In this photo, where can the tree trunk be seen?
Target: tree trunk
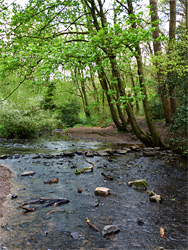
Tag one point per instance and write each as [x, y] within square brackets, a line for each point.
[146, 139]
[96, 98]
[135, 94]
[154, 134]
[104, 85]
[163, 89]
[83, 94]
[95, 13]
[156, 140]
[172, 33]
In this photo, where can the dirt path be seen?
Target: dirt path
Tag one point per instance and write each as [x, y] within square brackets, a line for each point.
[109, 133]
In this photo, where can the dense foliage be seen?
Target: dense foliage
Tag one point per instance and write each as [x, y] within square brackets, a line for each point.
[95, 59]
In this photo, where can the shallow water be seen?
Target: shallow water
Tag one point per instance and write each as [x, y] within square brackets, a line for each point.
[124, 207]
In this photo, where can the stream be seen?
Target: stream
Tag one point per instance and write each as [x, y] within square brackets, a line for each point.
[138, 219]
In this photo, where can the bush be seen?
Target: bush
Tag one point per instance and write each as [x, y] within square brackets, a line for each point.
[179, 130]
[27, 123]
[156, 108]
[68, 114]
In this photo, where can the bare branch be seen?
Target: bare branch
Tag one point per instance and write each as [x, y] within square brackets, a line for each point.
[122, 4]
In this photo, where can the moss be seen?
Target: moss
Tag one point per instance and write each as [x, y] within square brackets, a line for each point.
[138, 184]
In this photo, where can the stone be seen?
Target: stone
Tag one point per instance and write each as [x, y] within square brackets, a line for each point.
[148, 149]
[155, 198]
[77, 236]
[121, 151]
[90, 154]
[110, 229]
[69, 154]
[138, 184]
[157, 148]
[150, 193]
[14, 196]
[48, 156]
[2, 157]
[102, 191]
[140, 222]
[79, 152]
[79, 190]
[135, 148]
[106, 152]
[36, 157]
[149, 153]
[28, 173]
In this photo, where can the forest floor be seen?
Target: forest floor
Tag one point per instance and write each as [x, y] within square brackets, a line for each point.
[110, 134]
[101, 134]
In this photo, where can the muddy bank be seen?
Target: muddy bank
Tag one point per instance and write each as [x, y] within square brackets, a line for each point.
[109, 134]
[5, 185]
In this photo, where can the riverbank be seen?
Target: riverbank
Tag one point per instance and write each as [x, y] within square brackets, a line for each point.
[5, 185]
[109, 134]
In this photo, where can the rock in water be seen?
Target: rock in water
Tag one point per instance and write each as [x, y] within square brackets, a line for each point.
[102, 191]
[138, 184]
[110, 229]
[77, 236]
[28, 173]
[156, 198]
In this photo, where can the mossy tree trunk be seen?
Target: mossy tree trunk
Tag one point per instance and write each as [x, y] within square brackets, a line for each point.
[163, 88]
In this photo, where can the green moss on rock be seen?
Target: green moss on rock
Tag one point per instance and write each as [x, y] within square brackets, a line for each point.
[138, 184]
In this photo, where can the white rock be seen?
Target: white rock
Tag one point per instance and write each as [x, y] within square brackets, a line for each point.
[102, 191]
[156, 198]
[27, 173]
[110, 229]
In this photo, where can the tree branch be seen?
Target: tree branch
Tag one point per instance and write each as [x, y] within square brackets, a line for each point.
[122, 4]
[25, 77]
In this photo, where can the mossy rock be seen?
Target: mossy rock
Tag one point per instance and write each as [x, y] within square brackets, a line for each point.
[138, 184]
[150, 193]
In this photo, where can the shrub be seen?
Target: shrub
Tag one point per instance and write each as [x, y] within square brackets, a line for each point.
[68, 114]
[24, 123]
[156, 108]
[179, 130]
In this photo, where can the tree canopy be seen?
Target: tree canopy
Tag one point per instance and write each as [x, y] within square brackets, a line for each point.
[114, 55]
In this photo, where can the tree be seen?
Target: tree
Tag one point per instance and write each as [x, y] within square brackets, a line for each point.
[163, 88]
[65, 33]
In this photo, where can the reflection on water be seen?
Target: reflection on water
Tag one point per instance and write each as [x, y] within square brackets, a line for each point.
[124, 207]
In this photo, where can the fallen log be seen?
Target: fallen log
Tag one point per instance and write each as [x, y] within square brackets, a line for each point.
[42, 202]
[85, 169]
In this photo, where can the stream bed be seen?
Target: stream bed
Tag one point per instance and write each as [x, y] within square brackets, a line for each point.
[64, 227]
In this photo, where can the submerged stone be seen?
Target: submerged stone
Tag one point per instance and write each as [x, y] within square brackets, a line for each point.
[69, 154]
[102, 191]
[110, 229]
[149, 153]
[28, 173]
[2, 157]
[106, 152]
[138, 184]
[121, 151]
[77, 236]
[48, 156]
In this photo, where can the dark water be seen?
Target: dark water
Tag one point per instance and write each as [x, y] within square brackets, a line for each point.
[124, 207]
